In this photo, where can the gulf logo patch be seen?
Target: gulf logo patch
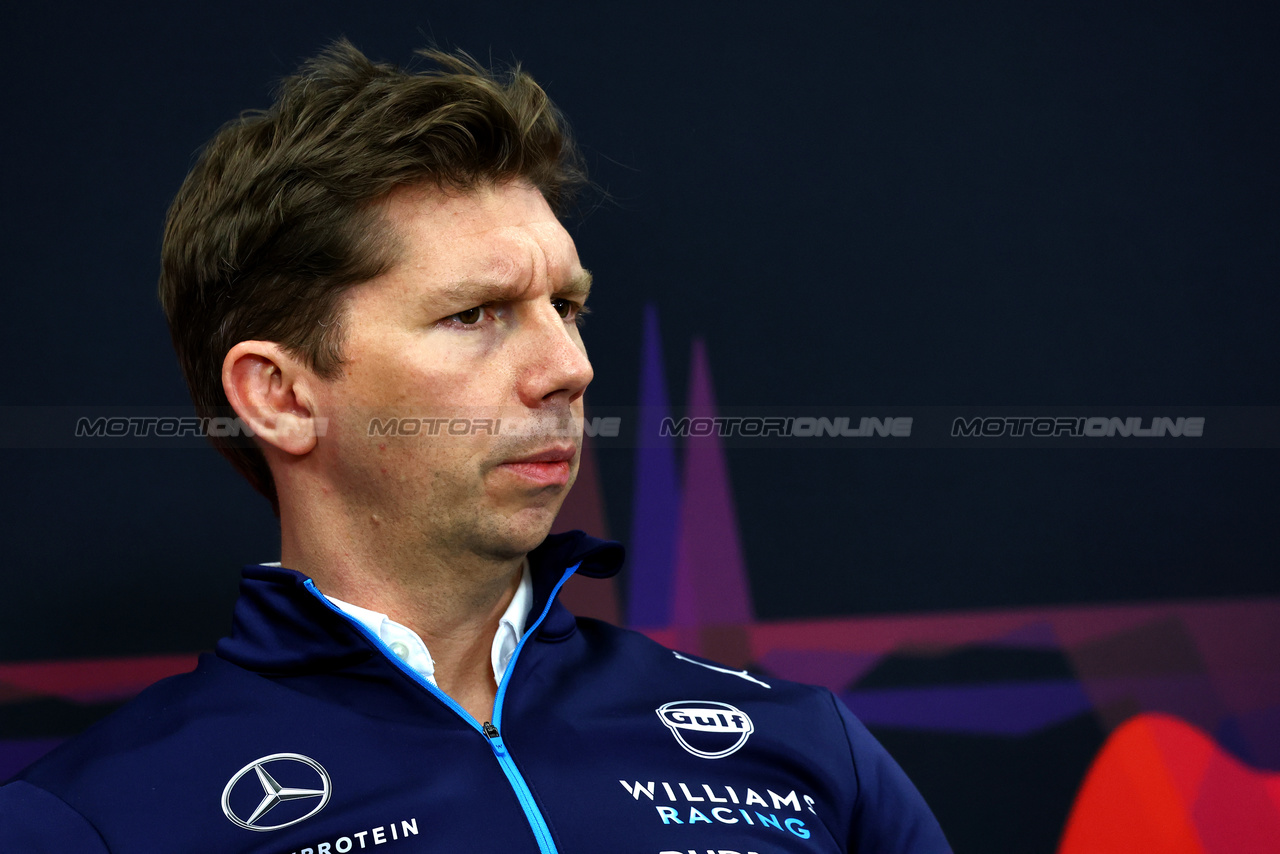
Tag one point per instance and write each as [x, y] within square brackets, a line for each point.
[707, 728]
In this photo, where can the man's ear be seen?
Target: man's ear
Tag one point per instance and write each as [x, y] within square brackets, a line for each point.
[270, 390]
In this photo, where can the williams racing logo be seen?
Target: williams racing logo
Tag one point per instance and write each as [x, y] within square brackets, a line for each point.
[706, 728]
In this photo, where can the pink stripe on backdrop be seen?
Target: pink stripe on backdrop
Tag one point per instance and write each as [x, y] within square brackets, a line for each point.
[1072, 624]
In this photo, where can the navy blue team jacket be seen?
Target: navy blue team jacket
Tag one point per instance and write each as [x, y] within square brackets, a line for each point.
[303, 734]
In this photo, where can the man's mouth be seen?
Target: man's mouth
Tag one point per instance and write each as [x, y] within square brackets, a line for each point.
[547, 467]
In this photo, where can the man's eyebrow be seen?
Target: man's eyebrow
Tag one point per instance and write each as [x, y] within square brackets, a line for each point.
[480, 292]
[579, 286]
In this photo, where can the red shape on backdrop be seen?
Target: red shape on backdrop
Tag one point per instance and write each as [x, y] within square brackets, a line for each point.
[90, 680]
[1162, 786]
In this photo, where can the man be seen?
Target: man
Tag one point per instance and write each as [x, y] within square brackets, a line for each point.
[383, 247]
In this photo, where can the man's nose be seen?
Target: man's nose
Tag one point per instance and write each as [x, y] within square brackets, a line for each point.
[555, 366]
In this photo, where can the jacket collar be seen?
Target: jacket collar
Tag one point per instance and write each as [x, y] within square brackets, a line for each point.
[280, 627]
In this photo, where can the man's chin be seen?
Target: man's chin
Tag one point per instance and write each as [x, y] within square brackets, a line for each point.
[521, 532]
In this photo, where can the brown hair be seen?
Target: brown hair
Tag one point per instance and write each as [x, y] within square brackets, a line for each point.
[279, 215]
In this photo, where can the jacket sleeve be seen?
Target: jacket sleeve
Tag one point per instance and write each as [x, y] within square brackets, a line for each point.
[890, 816]
[32, 821]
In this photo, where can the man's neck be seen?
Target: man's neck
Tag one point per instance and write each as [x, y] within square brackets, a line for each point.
[453, 601]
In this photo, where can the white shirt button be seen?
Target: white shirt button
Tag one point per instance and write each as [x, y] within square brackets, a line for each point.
[400, 649]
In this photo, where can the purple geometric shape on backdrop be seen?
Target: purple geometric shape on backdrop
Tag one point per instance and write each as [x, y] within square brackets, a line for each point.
[1006, 709]
[651, 554]
[711, 578]
[18, 754]
[1252, 737]
[829, 668]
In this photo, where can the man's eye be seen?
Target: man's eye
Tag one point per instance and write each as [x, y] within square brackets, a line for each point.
[471, 316]
[568, 309]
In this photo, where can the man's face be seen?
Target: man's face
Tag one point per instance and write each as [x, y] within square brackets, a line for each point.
[472, 336]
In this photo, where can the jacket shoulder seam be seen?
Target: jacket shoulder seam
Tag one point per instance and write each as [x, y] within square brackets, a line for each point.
[844, 727]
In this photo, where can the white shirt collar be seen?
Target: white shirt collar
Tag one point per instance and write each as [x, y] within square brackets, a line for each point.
[405, 643]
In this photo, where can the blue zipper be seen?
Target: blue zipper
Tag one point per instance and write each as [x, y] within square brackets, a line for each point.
[490, 730]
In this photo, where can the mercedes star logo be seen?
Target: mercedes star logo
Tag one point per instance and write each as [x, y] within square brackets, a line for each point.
[274, 794]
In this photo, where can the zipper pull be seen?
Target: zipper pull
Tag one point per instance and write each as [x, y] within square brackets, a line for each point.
[495, 740]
